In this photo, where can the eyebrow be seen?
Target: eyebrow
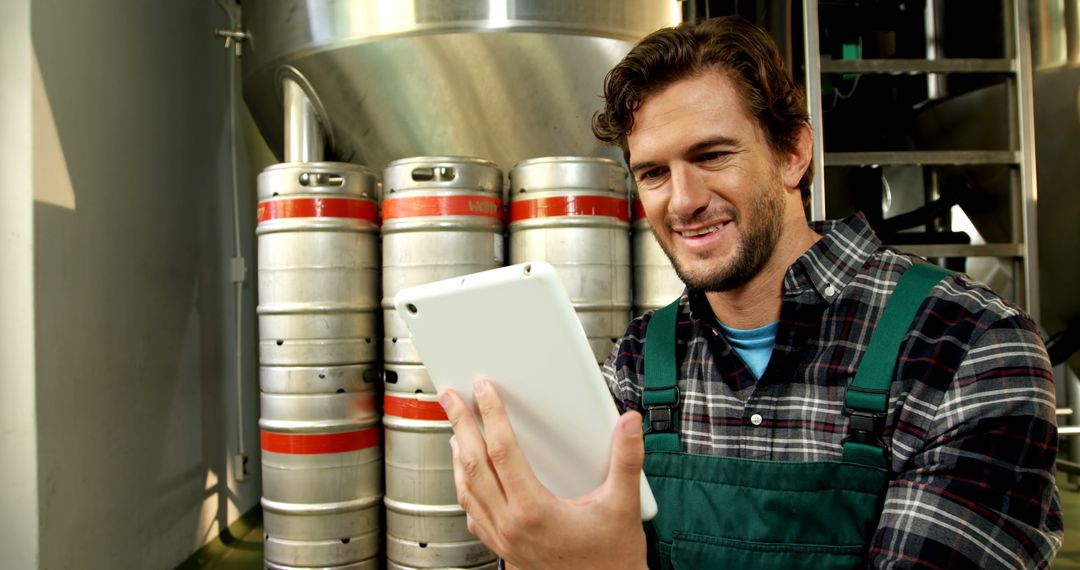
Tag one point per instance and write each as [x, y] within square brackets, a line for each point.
[696, 147]
[641, 166]
[717, 141]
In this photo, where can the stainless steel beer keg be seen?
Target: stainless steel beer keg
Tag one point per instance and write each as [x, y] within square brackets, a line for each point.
[322, 465]
[573, 212]
[655, 282]
[369, 564]
[407, 378]
[318, 379]
[425, 526]
[493, 565]
[321, 554]
[318, 264]
[442, 217]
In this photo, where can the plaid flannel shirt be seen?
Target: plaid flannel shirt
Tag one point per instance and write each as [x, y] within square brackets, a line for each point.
[970, 430]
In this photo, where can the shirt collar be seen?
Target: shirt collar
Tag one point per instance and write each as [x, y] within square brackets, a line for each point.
[826, 268]
[831, 263]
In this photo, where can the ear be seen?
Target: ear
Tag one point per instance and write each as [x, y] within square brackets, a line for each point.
[798, 160]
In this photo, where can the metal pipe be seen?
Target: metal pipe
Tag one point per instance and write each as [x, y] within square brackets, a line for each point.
[1025, 143]
[935, 82]
[813, 106]
[239, 270]
[303, 132]
[1072, 32]
[1073, 469]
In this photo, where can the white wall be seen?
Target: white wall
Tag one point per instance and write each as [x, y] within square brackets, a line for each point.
[132, 300]
[18, 437]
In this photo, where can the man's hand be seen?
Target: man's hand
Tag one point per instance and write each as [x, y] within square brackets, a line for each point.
[520, 519]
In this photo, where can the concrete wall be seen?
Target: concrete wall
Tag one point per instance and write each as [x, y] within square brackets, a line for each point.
[132, 296]
[18, 436]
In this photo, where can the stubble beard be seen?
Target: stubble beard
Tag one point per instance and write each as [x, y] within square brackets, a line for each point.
[753, 249]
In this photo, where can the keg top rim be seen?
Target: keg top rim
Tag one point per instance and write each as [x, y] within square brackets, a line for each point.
[441, 158]
[321, 165]
[568, 160]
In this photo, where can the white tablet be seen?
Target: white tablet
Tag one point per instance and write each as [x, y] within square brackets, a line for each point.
[515, 325]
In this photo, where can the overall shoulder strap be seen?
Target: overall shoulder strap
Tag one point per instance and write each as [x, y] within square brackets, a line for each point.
[660, 394]
[867, 398]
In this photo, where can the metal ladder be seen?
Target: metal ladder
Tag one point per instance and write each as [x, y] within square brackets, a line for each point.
[1020, 157]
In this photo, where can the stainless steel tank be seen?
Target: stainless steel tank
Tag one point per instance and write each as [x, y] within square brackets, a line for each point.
[442, 218]
[425, 526]
[655, 282]
[503, 80]
[318, 264]
[573, 212]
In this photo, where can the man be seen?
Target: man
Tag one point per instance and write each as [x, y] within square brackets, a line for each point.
[774, 437]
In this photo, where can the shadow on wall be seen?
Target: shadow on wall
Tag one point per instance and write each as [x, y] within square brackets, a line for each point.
[133, 302]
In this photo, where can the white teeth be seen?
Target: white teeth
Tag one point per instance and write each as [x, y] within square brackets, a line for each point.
[707, 230]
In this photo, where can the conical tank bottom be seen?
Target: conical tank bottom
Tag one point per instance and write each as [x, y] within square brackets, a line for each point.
[501, 80]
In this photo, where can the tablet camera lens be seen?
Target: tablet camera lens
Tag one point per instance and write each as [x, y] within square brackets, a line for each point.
[411, 308]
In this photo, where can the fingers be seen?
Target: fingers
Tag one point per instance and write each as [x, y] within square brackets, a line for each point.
[627, 458]
[478, 489]
[517, 477]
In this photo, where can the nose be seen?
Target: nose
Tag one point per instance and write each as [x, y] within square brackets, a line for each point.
[689, 194]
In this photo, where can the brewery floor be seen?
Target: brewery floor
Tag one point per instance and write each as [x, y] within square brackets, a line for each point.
[245, 551]
[239, 548]
[1068, 557]
[244, 554]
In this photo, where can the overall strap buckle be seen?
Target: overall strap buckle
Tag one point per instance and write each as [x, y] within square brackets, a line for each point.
[866, 425]
[661, 413]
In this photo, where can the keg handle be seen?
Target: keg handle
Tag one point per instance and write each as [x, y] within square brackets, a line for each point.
[321, 179]
[434, 174]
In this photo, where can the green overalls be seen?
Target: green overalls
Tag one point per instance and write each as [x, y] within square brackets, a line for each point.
[721, 512]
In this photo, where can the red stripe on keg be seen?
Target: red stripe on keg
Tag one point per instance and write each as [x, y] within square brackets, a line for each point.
[442, 206]
[317, 208]
[413, 409]
[568, 206]
[638, 210]
[316, 443]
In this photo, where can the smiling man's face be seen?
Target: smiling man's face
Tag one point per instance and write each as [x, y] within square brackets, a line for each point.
[712, 187]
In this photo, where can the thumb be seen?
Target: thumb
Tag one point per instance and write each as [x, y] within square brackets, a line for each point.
[627, 458]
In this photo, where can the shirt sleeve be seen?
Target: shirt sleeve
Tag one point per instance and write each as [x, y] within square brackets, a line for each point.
[978, 490]
[624, 369]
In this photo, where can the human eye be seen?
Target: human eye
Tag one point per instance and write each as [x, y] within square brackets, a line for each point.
[713, 156]
[650, 177]
[650, 174]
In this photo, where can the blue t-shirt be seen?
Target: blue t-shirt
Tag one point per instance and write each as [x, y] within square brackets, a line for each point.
[754, 346]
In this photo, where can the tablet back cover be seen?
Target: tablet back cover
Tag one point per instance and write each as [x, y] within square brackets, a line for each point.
[515, 326]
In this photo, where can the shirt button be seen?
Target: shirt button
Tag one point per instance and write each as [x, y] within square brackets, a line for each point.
[830, 290]
[755, 419]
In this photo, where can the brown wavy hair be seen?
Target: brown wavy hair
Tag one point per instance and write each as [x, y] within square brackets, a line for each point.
[745, 53]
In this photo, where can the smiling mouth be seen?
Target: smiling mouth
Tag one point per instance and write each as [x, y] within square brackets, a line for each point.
[702, 232]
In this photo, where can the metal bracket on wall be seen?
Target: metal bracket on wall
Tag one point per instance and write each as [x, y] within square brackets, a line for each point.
[233, 37]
